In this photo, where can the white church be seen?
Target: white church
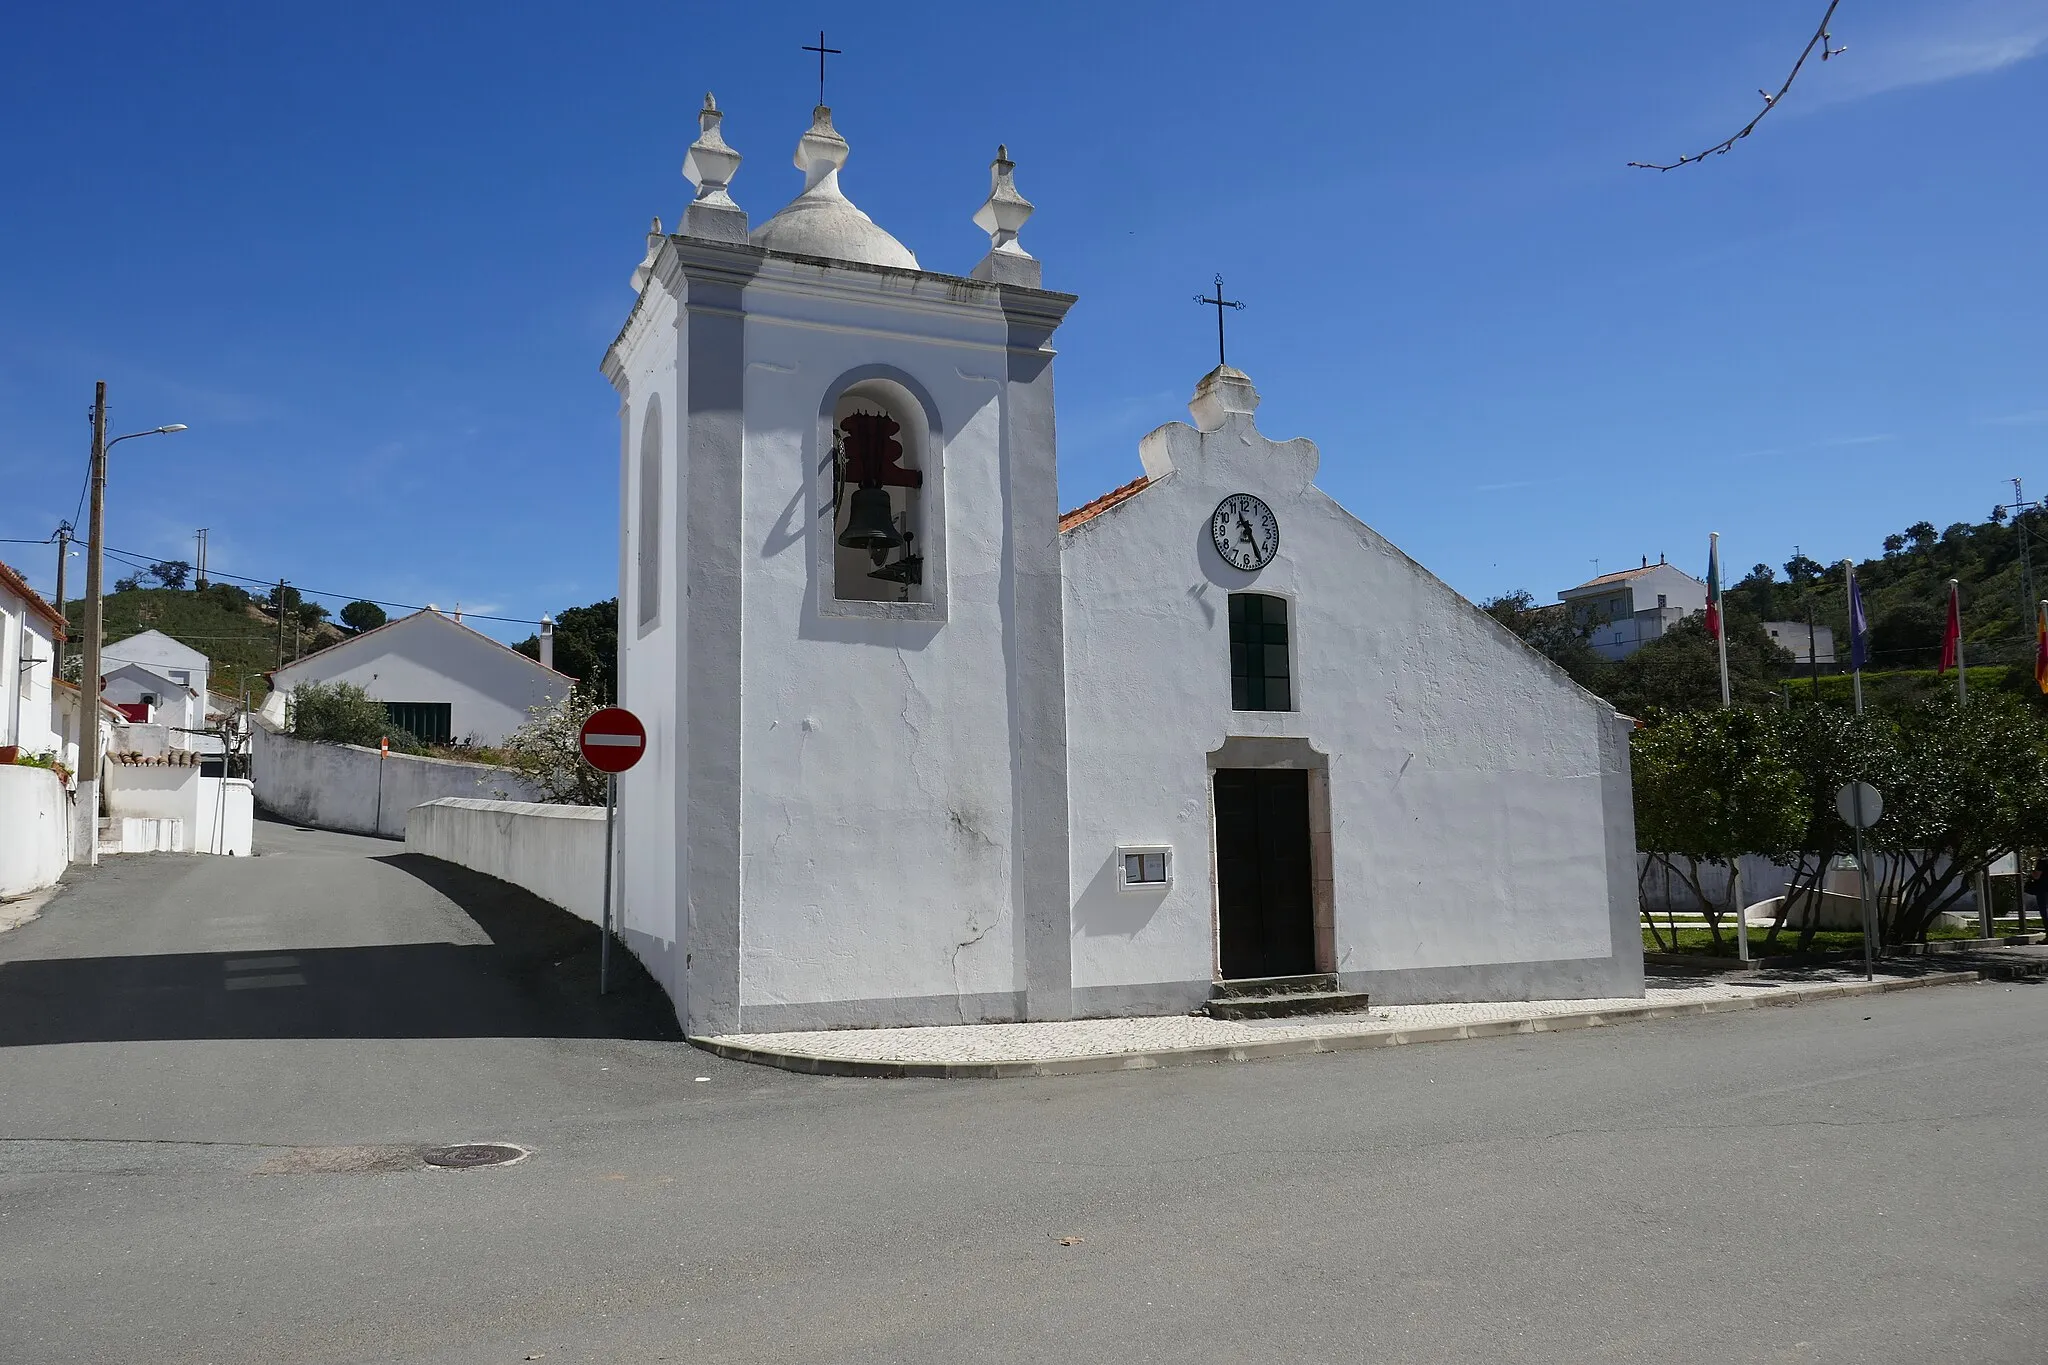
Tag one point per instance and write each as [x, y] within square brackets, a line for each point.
[925, 751]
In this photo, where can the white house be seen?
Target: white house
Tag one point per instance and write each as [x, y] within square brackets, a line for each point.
[920, 751]
[30, 630]
[1806, 647]
[168, 675]
[1628, 609]
[437, 678]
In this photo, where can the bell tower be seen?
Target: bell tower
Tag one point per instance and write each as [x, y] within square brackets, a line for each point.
[840, 613]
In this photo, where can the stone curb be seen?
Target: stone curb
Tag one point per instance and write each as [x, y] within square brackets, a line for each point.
[882, 1069]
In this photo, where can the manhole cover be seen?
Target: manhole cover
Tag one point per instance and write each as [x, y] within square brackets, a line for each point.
[474, 1154]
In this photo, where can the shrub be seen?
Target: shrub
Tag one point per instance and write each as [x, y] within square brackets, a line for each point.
[337, 713]
[545, 750]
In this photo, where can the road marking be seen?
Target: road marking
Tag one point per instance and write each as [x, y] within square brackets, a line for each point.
[264, 983]
[258, 964]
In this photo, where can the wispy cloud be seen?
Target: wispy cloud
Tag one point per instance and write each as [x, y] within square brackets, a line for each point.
[1944, 42]
[1833, 441]
[2016, 419]
[1505, 487]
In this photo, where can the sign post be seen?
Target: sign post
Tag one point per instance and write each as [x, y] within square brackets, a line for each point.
[1860, 806]
[612, 740]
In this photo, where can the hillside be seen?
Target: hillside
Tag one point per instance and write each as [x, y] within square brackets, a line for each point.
[1905, 592]
[221, 622]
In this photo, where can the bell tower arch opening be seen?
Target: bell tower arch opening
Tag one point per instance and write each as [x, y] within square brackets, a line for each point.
[880, 466]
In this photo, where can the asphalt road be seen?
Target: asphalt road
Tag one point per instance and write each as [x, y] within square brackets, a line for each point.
[1856, 1181]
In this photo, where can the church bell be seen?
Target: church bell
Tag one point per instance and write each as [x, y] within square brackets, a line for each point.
[869, 522]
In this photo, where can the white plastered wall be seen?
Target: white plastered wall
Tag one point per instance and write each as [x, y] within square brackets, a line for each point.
[652, 831]
[28, 653]
[877, 746]
[1481, 833]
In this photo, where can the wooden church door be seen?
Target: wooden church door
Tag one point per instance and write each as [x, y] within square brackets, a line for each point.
[1264, 884]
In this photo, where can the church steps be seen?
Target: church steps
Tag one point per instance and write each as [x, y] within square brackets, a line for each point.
[1277, 997]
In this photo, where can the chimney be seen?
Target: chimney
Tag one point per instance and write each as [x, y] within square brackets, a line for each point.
[1646, 561]
[547, 642]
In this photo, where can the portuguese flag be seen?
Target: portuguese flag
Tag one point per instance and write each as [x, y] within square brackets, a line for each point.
[1714, 588]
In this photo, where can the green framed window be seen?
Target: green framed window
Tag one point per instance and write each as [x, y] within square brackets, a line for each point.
[429, 722]
[1259, 679]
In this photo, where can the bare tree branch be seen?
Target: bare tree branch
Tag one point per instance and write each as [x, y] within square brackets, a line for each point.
[1821, 39]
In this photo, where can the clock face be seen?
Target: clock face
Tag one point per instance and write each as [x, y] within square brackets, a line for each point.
[1245, 531]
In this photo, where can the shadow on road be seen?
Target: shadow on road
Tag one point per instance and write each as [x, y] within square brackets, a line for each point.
[537, 978]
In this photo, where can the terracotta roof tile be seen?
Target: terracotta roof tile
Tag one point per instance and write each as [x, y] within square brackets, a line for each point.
[1088, 511]
[19, 585]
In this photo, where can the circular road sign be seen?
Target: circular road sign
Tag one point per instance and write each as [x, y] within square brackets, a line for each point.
[612, 740]
[1846, 805]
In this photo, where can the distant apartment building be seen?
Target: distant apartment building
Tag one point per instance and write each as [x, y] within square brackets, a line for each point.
[1624, 611]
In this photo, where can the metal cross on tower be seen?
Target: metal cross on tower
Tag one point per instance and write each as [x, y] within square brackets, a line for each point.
[1219, 303]
[821, 50]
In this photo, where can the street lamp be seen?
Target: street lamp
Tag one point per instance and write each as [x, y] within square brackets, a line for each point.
[85, 845]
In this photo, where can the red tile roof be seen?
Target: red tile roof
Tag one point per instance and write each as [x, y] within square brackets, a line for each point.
[1088, 511]
[19, 586]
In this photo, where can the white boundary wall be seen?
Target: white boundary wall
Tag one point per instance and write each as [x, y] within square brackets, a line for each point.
[35, 813]
[349, 788]
[556, 852]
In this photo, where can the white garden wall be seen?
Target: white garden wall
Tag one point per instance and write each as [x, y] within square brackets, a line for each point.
[35, 813]
[556, 852]
[350, 789]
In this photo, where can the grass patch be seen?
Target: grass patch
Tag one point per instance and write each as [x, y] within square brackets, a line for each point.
[1699, 943]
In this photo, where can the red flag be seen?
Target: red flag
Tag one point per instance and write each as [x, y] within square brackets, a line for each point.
[2041, 647]
[1952, 638]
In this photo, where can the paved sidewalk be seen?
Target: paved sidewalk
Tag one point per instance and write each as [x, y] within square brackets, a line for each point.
[989, 1051]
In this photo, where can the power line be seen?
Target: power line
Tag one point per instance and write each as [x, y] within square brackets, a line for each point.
[135, 559]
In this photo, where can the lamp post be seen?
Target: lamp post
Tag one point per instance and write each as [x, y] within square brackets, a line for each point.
[85, 844]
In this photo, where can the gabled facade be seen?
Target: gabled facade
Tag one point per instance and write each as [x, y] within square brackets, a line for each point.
[436, 677]
[1341, 766]
[181, 705]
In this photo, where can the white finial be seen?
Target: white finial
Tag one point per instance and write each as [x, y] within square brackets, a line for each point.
[710, 164]
[1005, 210]
[655, 237]
[710, 167]
[1000, 216]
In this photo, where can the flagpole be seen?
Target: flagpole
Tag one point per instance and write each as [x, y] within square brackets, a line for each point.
[1955, 614]
[1859, 644]
[1855, 634]
[1718, 615]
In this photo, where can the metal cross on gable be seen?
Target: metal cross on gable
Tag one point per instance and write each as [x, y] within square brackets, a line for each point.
[821, 50]
[1219, 303]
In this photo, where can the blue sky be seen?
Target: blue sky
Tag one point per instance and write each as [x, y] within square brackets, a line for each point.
[372, 254]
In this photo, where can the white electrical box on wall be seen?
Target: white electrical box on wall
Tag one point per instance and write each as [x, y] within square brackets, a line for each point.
[1144, 867]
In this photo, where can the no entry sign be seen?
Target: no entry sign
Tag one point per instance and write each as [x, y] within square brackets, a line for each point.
[612, 740]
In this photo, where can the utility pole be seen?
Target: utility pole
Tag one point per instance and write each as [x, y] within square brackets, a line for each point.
[280, 623]
[199, 569]
[2019, 507]
[85, 845]
[63, 559]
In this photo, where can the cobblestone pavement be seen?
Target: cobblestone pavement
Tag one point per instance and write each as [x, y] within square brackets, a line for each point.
[974, 1043]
